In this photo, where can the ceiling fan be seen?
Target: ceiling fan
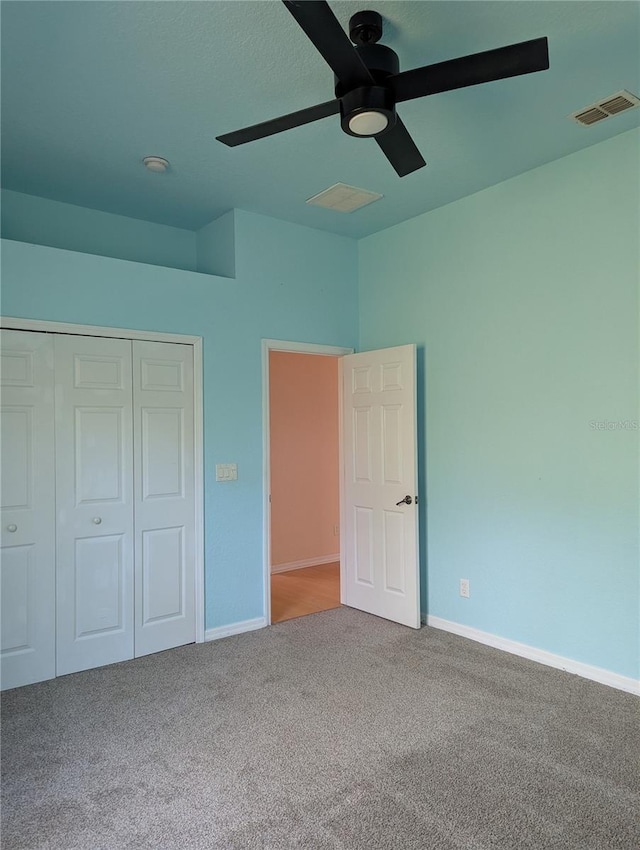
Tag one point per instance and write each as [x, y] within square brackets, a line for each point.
[369, 84]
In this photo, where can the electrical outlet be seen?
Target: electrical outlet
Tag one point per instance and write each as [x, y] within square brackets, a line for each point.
[464, 588]
[336, 530]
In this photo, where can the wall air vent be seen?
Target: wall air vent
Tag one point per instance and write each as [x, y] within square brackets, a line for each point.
[343, 198]
[606, 108]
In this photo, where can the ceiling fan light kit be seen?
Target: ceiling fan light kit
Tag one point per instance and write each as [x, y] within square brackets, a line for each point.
[369, 83]
[366, 123]
[367, 111]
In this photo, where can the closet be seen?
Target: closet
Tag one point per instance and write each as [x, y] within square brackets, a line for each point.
[97, 502]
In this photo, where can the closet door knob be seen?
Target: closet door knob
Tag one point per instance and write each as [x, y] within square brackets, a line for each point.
[97, 520]
[12, 527]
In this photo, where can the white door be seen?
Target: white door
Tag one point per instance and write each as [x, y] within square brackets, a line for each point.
[164, 496]
[380, 472]
[27, 509]
[94, 501]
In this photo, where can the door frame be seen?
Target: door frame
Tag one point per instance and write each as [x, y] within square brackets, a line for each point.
[269, 345]
[43, 326]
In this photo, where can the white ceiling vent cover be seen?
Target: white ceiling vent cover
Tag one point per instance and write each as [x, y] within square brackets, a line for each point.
[343, 198]
[608, 107]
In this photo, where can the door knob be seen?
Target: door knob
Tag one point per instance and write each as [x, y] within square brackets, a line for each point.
[12, 527]
[97, 520]
[406, 501]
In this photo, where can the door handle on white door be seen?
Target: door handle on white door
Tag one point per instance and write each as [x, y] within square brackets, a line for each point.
[97, 520]
[12, 527]
[406, 501]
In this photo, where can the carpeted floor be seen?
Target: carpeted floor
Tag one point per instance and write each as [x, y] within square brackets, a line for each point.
[338, 730]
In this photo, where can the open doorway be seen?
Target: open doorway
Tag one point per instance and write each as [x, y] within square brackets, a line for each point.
[305, 484]
[378, 463]
[302, 445]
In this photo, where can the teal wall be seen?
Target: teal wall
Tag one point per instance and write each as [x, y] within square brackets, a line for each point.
[523, 299]
[291, 283]
[26, 218]
[216, 246]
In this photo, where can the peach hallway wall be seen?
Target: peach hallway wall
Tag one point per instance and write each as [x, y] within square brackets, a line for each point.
[303, 405]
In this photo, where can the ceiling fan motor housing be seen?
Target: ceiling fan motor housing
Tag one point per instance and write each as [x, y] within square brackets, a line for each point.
[382, 62]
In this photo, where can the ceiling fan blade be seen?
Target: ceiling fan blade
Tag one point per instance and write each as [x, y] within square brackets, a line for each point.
[322, 27]
[279, 125]
[400, 149]
[511, 61]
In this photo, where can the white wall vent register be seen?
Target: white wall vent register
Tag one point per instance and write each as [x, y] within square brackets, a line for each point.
[343, 198]
[608, 107]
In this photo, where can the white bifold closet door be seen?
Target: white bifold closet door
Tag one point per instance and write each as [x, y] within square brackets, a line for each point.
[164, 496]
[124, 499]
[94, 501]
[27, 569]
[97, 502]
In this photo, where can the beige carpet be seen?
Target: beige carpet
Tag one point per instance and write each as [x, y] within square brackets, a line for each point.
[338, 730]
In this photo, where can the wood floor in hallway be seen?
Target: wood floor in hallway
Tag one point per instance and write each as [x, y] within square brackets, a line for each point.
[307, 591]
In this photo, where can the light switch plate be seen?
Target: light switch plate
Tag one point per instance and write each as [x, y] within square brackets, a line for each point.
[226, 472]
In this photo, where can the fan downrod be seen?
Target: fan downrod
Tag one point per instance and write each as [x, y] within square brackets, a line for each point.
[365, 27]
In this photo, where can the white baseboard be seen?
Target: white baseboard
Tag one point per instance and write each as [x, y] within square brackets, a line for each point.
[235, 628]
[587, 671]
[308, 562]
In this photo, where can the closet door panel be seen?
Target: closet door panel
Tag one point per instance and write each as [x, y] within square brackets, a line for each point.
[164, 496]
[94, 488]
[27, 509]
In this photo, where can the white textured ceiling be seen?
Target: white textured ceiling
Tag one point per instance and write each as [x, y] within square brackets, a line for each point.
[89, 88]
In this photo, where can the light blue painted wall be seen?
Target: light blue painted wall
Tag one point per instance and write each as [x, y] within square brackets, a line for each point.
[27, 218]
[216, 246]
[292, 283]
[524, 301]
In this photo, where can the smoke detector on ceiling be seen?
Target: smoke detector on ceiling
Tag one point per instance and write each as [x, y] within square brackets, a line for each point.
[343, 198]
[157, 164]
[606, 108]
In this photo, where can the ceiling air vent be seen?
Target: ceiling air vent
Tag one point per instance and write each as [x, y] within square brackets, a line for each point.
[343, 198]
[606, 108]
